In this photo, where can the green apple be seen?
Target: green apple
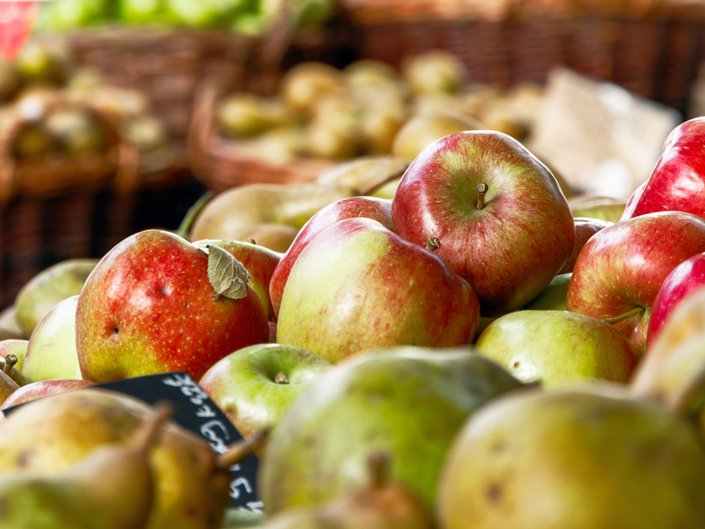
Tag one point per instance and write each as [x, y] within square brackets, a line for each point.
[15, 347]
[557, 347]
[408, 402]
[553, 296]
[256, 385]
[51, 353]
[49, 287]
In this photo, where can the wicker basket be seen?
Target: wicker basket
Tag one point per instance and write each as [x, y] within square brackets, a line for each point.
[222, 163]
[59, 207]
[652, 47]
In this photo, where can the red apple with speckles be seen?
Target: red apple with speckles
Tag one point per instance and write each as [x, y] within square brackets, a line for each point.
[359, 286]
[621, 268]
[373, 208]
[584, 229]
[677, 183]
[149, 307]
[684, 280]
[36, 390]
[501, 217]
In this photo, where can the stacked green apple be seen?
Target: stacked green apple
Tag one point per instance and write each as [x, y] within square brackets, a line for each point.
[354, 349]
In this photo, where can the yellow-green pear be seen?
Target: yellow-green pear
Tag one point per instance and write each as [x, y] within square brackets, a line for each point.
[421, 131]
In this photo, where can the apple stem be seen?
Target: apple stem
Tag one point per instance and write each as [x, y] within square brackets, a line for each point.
[10, 361]
[378, 468]
[481, 191]
[281, 378]
[433, 244]
[241, 449]
[626, 315]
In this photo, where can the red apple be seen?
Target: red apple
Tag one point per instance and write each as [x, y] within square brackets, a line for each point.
[42, 388]
[621, 268]
[683, 281]
[149, 307]
[359, 286]
[348, 208]
[584, 229]
[500, 215]
[677, 183]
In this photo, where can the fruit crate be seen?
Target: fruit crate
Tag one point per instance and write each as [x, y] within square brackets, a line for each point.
[651, 47]
[169, 65]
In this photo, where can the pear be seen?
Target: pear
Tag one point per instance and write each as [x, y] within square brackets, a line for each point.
[320, 448]
[575, 459]
[435, 71]
[380, 505]
[52, 434]
[9, 328]
[306, 83]
[32, 140]
[7, 386]
[366, 174]
[387, 190]
[148, 133]
[271, 214]
[424, 129]
[602, 208]
[9, 80]
[368, 72]
[51, 353]
[47, 288]
[553, 297]
[247, 115]
[112, 488]
[78, 131]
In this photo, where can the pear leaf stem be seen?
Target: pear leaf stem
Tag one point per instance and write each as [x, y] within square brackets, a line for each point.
[626, 315]
[147, 433]
[241, 449]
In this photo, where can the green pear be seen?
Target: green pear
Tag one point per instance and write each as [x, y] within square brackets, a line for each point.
[602, 208]
[112, 488]
[321, 447]
[435, 71]
[255, 386]
[264, 211]
[246, 115]
[421, 131]
[9, 328]
[574, 459]
[557, 347]
[78, 131]
[553, 296]
[51, 353]
[387, 190]
[49, 287]
[366, 174]
[306, 83]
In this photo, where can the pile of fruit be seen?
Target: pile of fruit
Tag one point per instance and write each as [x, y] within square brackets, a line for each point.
[71, 112]
[247, 17]
[370, 108]
[475, 352]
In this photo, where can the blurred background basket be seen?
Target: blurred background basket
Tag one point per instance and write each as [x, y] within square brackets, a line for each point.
[651, 47]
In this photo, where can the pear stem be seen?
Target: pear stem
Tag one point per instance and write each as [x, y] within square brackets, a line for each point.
[10, 361]
[626, 315]
[433, 244]
[193, 212]
[378, 468]
[147, 432]
[241, 449]
[481, 191]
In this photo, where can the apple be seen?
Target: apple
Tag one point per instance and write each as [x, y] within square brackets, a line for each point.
[51, 353]
[15, 347]
[255, 386]
[366, 207]
[358, 286]
[621, 268]
[407, 402]
[557, 346]
[584, 229]
[149, 307]
[683, 281]
[678, 180]
[503, 223]
[259, 261]
[42, 388]
[553, 297]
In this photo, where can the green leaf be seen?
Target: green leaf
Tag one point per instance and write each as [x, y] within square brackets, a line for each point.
[226, 274]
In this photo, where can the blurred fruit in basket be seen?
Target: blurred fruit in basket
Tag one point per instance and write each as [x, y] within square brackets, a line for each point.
[306, 83]
[366, 73]
[146, 132]
[9, 80]
[435, 72]
[204, 13]
[43, 64]
[78, 130]
[145, 12]
[247, 115]
[59, 15]
[421, 131]
[33, 141]
[9, 328]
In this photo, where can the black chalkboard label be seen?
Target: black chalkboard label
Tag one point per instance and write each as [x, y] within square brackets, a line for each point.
[195, 411]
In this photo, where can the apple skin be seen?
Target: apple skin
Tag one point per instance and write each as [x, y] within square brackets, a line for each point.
[244, 384]
[556, 347]
[683, 281]
[359, 286]
[584, 229]
[51, 353]
[621, 268]
[148, 308]
[348, 208]
[553, 297]
[510, 249]
[259, 261]
[36, 390]
[677, 182]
